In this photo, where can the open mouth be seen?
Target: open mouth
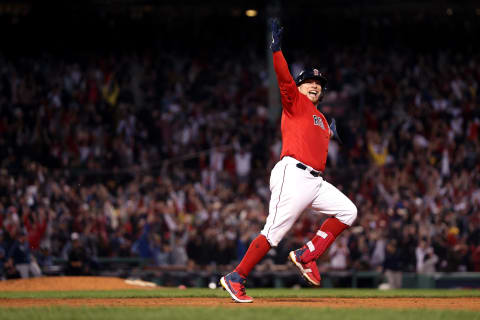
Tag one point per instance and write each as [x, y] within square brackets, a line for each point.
[313, 93]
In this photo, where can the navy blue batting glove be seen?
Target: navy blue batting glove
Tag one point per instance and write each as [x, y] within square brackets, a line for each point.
[276, 35]
[333, 129]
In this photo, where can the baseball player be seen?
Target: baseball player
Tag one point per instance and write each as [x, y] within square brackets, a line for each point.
[296, 181]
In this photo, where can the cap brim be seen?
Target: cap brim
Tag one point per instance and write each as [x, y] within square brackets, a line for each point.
[322, 80]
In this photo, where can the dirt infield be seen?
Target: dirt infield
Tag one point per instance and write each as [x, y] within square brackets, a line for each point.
[472, 304]
[70, 284]
[105, 283]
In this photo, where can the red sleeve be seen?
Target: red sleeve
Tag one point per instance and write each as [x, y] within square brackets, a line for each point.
[26, 223]
[288, 88]
[43, 227]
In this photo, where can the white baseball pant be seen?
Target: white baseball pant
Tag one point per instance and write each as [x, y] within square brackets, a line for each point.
[293, 190]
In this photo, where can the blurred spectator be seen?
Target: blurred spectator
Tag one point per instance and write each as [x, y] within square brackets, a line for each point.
[378, 149]
[143, 245]
[426, 258]
[45, 259]
[339, 255]
[3, 259]
[243, 160]
[179, 251]
[36, 227]
[379, 244]
[21, 258]
[359, 252]
[393, 265]
[476, 258]
[162, 252]
[78, 260]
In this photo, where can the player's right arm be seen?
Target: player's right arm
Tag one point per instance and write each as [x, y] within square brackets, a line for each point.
[288, 88]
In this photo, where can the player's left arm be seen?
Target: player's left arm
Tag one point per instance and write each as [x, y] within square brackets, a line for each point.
[333, 131]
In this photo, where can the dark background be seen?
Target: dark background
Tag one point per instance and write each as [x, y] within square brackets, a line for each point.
[30, 26]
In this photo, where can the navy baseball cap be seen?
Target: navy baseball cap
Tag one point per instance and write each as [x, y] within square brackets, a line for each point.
[312, 73]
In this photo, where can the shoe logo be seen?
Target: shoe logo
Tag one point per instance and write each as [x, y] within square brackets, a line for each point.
[231, 289]
[299, 252]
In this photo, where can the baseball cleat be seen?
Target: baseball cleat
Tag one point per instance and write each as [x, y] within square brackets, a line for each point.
[234, 284]
[308, 270]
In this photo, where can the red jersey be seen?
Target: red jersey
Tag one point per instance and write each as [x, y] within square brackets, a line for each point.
[305, 131]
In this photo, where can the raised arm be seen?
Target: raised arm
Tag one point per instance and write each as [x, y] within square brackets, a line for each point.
[288, 88]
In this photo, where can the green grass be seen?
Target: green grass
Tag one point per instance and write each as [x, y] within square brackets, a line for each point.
[234, 313]
[256, 293]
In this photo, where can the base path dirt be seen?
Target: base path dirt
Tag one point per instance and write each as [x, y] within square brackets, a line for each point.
[110, 283]
[397, 303]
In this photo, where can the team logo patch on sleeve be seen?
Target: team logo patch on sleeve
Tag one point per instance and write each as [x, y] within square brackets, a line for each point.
[318, 122]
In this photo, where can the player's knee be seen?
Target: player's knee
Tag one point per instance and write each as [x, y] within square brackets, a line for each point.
[349, 214]
[353, 213]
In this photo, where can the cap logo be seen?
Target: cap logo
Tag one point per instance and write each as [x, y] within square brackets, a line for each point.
[315, 72]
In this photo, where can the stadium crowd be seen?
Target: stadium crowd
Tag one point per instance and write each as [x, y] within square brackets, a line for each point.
[166, 156]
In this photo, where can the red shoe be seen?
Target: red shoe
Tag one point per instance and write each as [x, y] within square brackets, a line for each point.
[309, 270]
[235, 285]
